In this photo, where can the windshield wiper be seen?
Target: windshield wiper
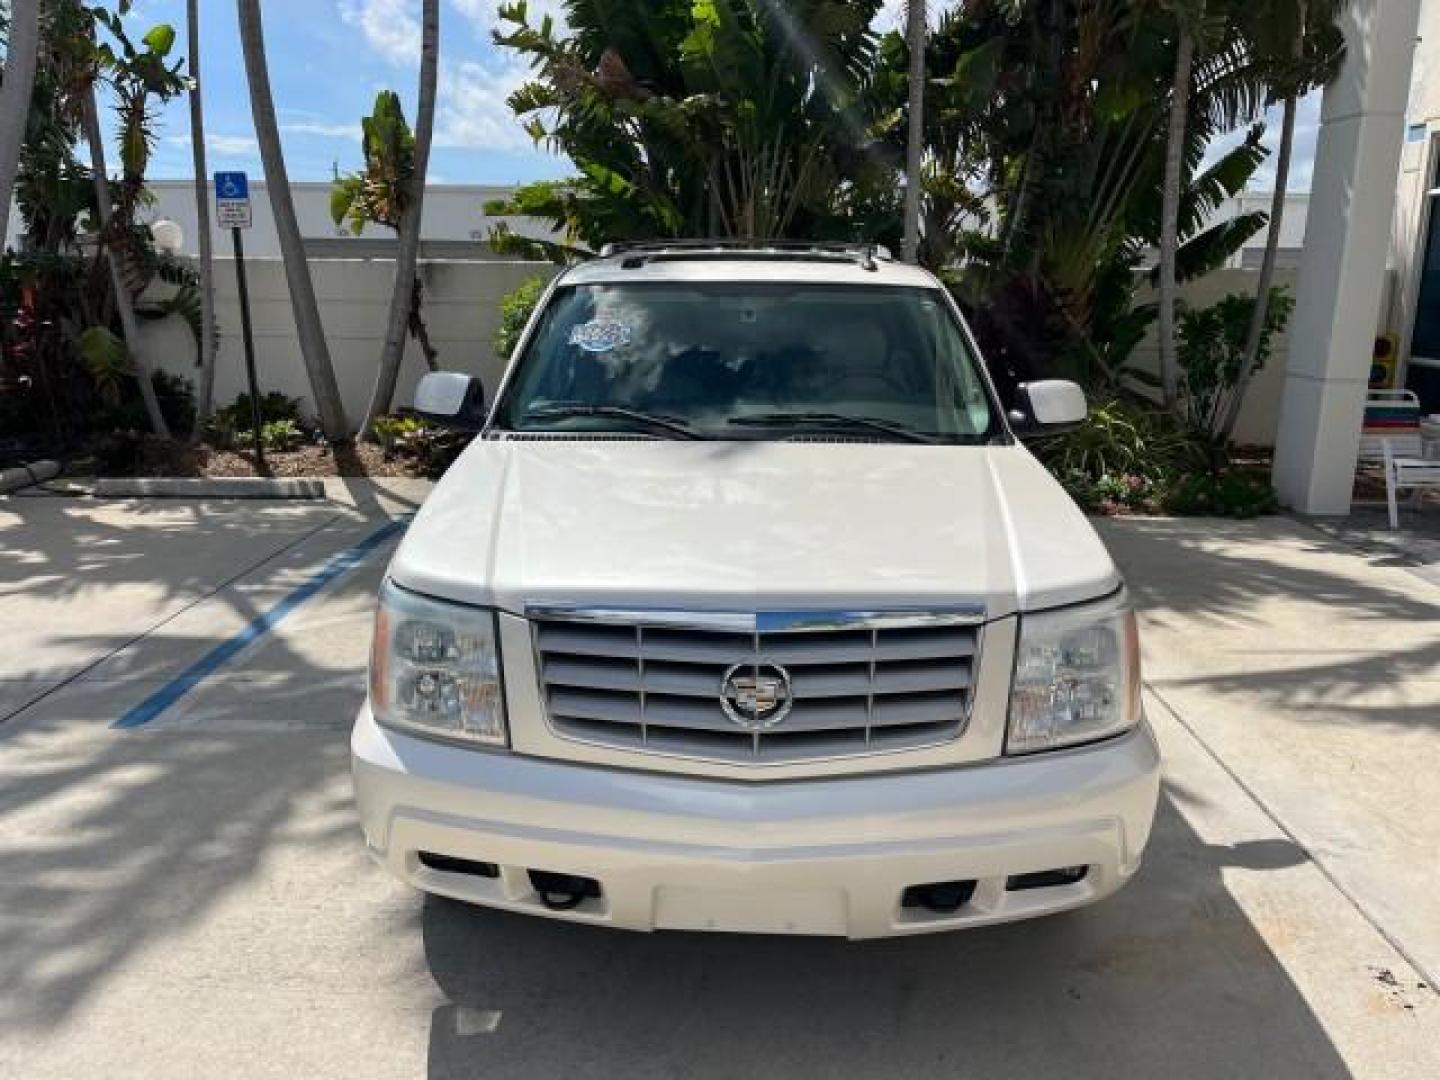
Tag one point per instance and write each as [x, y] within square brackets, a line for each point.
[567, 410]
[832, 420]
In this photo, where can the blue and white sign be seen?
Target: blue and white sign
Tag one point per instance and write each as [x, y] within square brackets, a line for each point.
[232, 200]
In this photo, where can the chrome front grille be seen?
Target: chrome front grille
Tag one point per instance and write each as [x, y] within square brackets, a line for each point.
[868, 683]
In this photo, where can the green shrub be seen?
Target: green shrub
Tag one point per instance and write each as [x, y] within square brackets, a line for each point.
[429, 448]
[273, 406]
[277, 436]
[1119, 439]
[393, 432]
[515, 311]
[1130, 458]
[1232, 494]
[230, 426]
[1211, 353]
[175, 394]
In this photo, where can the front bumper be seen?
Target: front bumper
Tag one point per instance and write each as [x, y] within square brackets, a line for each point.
[815, 856]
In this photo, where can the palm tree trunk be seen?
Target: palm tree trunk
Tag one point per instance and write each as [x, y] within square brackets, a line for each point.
[915, 137]
[205, 402]
[1256, 333]
[311, 333]
[1015, 222]
[124, 303]
[418, 330]
[1170, 214]
[20, 55]
[404, 295]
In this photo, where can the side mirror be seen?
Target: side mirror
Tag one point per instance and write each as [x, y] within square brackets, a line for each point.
[1048, 407]
[452, 399]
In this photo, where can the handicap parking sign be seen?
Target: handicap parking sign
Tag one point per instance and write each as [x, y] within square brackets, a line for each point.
[232, 200]
[232, 185]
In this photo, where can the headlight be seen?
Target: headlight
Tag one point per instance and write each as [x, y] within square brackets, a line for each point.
[434, 668]
[1077, 677]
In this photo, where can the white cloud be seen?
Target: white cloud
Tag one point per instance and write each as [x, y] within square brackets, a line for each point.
[323, 129]
[233, 145]
[482, 13]
[471, 112]
[390, 27]
[220, 145]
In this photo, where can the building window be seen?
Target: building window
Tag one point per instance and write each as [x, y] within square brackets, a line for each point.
[1423, 370]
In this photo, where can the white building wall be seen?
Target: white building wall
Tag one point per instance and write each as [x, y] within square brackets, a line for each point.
[1292, 225]
[462, 311]
[452, 212]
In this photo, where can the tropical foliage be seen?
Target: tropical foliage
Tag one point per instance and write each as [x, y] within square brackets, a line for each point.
[1213, 359]
[1045, 135]
[515, 310]
[381, 194]
[69, 297]
[734, 118]
[1066, 178]
[1064, 145]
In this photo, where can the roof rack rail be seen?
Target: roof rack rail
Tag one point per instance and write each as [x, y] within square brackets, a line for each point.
[637, 252]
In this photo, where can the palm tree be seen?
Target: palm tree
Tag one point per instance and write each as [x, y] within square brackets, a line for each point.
[20, 55]
[748, 119]
[1300, 70]
[379, 194]
[124, 301]
[915, 136]
[1170, 212]
[311, 333]
[403, 299]
[206, 398]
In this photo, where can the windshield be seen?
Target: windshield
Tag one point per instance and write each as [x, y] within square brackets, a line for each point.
[749, 361]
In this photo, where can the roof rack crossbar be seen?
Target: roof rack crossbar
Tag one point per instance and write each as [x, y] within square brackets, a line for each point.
[639, 250]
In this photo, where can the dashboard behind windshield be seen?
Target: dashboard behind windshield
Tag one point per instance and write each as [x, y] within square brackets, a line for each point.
[749, 360]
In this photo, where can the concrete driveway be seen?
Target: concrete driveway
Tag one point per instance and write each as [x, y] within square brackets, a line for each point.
[189, 896]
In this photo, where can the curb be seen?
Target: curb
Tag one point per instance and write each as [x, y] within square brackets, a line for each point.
[232, 487]
[37, 472]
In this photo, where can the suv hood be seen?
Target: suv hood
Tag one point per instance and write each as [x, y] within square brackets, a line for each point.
[758, 526]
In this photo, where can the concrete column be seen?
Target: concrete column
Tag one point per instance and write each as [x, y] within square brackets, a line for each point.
[1342, 274]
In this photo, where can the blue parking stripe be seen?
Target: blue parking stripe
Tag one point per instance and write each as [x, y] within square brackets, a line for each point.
[257, 628]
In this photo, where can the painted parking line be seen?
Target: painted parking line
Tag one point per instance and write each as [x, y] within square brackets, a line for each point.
[258, 627]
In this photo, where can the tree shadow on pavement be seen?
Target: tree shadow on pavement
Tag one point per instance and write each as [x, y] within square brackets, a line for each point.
[172, 825]
[114, 841]
[1167, 978]
[1290, 619]
[1223, 571]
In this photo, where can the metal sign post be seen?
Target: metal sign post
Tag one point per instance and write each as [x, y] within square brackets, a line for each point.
[232, 211]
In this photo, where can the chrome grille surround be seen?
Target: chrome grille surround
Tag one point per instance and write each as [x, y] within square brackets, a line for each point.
[863, 682]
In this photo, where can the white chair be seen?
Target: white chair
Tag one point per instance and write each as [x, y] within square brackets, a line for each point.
[1407, 473]
[1391, 440]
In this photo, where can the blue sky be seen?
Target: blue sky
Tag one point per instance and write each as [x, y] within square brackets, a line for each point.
[328, 58]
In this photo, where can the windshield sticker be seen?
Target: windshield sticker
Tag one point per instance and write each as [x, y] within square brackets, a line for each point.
[600, 335]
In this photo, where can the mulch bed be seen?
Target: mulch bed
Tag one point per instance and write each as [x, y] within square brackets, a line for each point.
[151, 456]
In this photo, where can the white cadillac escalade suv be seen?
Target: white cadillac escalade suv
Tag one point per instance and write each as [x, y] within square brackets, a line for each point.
[748, 610]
